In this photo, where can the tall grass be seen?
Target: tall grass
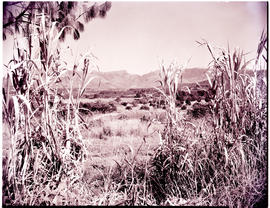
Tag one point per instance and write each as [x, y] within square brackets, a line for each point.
[220, 161]
[226, 166]
[44, 163]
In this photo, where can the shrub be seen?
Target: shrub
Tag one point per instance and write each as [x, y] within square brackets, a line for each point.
[207, 99]
[112, 103]
[144, 107]
[184, 107]
[162, 102]
[118, 99]
[181, 95]
[192, 97]
[143, 101]
[128, 108]
[178, 104]
[199, 110]
[201, 93]
[85, 108]
[124, 103]
[212, 93]
[134, 103]
[145, 118]
[96, 96]
[97, 107]
[138, 95]
[188, 101]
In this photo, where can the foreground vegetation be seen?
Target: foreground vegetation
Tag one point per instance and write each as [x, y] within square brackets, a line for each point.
[144, 149]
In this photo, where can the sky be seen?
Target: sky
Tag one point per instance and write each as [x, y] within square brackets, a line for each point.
[135, 36]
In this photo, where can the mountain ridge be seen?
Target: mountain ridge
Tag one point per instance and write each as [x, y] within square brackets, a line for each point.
[121, 79]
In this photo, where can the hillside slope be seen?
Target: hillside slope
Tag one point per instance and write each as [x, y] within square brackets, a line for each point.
[124, 80]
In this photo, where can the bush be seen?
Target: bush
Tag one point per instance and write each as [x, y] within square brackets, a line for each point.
[201, 93]
[192, 97]
[199, 111]
[88, 96]
[212, 93]
[134, 103]
[118, 99]
[112, 103]
[184, 107]
[188, 101]
[128, 108]
[178, 104]
[143, 101]
[96, 96]
[207, 99]
[162, 102]
[181, 95]
[124, 103]
[144, 107]
[97, 107]
[145, 118]
[154, 105]
[138, 95]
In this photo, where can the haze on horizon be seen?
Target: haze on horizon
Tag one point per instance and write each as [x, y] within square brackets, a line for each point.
[135, 36]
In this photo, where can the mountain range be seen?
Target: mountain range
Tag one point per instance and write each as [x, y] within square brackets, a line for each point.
[124, 80]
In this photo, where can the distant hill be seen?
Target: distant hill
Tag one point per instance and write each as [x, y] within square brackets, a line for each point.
[124, 80]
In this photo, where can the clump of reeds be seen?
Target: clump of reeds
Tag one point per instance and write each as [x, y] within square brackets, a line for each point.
[44, 163]
[227, 165]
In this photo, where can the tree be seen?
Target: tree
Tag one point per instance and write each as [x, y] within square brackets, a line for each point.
[18, 16]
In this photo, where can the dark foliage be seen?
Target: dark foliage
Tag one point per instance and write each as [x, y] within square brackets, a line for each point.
[118, 99]
[199, 110]
[144, 107]
[188, 101]
[184, 107]
[201, 93]
[18, 16]
[128, 108]
[138, 95]
[98, 106]
[143, 101]
[145, 118]
[178, 103]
